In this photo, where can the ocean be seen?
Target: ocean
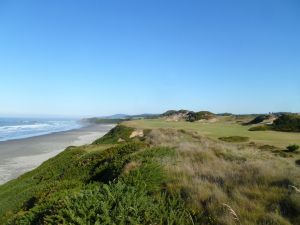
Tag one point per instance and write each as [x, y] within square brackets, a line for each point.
[18, 128]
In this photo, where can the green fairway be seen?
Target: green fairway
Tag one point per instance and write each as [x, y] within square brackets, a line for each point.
[222, 128]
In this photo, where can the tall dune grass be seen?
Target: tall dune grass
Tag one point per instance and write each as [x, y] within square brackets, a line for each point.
[212, 174]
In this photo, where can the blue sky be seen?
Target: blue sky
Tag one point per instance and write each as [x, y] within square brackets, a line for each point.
[85, 58]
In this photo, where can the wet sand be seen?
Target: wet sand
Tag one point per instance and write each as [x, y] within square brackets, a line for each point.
[20, 156]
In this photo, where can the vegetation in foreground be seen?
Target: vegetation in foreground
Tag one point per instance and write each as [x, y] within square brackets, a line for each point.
[165, 176]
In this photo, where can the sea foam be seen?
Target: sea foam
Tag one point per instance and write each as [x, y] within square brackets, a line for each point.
[16, 128]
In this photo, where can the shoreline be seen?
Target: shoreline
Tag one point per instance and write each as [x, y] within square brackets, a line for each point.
[22, 155]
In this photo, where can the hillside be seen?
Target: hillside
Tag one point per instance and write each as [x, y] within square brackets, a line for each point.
[160, 172]
[186, 115]
[117, 118]
[262, 119]
[286, 122]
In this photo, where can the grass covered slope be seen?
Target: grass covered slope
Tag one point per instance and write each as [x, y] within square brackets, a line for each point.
[111, 183]
[165, 176]
[286, 122]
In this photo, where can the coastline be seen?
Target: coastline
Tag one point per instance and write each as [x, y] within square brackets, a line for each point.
[22, 155]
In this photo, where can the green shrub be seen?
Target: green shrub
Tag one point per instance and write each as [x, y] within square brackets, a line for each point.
[287, 122]
[115, 134]
[234, 139]
[115, 203]
[70, 170]
[110, 165]
[137, 197]
[174, 112]
[202, 115]
[259, 128]
[268, 147]
[190, 116]
[292, 148]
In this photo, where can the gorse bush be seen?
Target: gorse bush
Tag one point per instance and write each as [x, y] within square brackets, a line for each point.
[120, 132]
[292, 148]
[189, 116]
[202, 115]
[174, 112]
[130, 200]
[287, 122]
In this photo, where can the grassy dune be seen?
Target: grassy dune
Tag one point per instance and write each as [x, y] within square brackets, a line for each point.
[176, 173]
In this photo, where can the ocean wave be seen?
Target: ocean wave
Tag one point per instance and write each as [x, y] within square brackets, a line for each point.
[22, 127]
[17, 129]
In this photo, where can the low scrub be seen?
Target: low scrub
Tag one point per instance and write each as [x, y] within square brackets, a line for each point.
[202, 115]
[115, 135]
[189, 116]
[234, 139]
[134, 198]
[260, 128]
[287, 123]
[268, 148]
[98, 187]
[292, 148]
[174, 112]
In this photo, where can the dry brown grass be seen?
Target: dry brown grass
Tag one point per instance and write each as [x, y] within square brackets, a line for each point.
[131, 166]
[233, 184]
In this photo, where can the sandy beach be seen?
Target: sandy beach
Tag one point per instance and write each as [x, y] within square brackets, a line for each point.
[20, 156]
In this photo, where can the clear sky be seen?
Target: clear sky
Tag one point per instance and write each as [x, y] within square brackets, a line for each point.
[84, 58]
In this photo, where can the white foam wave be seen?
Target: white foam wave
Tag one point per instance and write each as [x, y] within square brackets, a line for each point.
[18, 131]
